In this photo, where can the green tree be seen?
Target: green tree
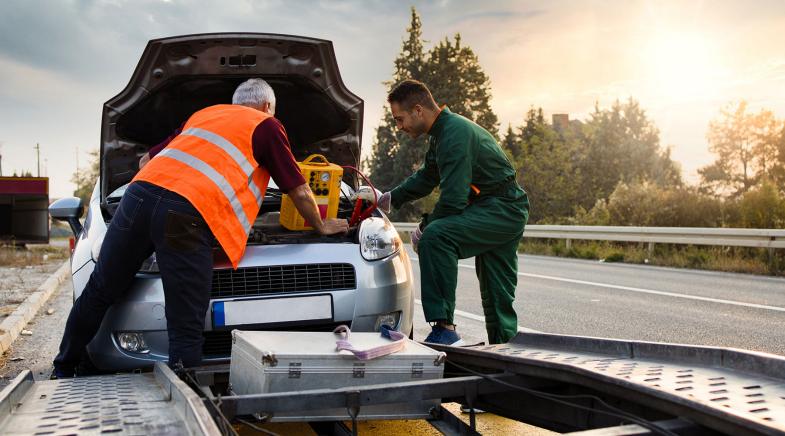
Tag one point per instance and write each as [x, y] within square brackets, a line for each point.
[395, 154]
[545, 168]
[778, 171]
[762, 207]
[747, 146]
[85, 179]
[621, 144]
[456, 79]
[453, 73]
[644, 203]
[511, 144]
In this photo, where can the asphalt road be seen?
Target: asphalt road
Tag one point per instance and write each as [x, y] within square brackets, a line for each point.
[36, 352]
[589, 298]
[555, 295]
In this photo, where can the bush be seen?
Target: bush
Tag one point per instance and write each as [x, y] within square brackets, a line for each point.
[762, 208]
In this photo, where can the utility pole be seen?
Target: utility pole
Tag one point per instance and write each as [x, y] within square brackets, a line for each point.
[38, 158]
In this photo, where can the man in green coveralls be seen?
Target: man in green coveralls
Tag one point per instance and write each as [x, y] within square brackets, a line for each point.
[481, 213]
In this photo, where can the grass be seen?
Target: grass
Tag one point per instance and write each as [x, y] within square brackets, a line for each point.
[11, 256]
[730, 259]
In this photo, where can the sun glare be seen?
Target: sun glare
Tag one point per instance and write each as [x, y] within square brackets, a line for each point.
[683, 66]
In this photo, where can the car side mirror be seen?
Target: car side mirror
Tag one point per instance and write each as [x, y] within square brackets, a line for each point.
[68, 209]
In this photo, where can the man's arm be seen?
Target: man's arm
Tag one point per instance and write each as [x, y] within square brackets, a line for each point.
[271, 150]
[455, 170]
[419, 184]
[303, 200]
[158, 147]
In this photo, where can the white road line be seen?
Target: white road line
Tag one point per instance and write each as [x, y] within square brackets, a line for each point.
[648, 291]
[479, 318]
[644, 291]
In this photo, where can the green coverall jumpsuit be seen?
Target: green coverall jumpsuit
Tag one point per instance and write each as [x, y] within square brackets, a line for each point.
[487, 226]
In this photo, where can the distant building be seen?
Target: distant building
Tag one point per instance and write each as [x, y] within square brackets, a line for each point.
[561, 122]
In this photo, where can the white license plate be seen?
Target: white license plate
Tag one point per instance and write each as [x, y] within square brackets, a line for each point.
[272, 310]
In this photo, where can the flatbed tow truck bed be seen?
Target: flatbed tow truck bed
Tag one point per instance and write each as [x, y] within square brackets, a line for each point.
[566, 384]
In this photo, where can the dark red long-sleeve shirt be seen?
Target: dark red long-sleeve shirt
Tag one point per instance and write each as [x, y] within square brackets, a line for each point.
[271, 150]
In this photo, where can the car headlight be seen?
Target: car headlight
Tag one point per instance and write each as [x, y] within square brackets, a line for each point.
[389, 319]
[378, 239]
[132, 341]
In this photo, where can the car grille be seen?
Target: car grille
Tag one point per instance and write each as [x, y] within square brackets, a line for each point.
[245, 282]
[218, 344]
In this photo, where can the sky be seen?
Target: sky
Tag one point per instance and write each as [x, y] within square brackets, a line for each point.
[683, 61]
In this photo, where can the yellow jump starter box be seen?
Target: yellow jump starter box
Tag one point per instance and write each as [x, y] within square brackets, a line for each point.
[324, 179]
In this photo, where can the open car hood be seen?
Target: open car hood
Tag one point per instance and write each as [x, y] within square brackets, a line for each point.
[180, 75]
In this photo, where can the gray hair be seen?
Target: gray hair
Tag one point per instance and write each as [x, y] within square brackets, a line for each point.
[254, 93]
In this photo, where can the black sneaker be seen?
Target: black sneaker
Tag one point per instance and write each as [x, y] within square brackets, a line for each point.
[61, 373]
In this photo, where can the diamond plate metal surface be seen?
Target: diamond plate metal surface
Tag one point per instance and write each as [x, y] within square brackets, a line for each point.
[744, 385]
[125, 404]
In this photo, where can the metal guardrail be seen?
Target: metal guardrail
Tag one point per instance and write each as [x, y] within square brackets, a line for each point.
[757, 238]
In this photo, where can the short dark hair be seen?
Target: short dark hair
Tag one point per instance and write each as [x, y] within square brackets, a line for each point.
[412, 92]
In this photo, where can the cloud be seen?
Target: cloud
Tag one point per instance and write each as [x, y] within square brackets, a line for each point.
[59, 60]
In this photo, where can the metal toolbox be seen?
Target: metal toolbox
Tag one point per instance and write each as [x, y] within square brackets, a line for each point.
[274, 362]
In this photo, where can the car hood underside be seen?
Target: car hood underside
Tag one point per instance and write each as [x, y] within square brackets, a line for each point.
[178, 76]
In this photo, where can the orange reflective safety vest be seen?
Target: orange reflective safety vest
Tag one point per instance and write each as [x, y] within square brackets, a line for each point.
[211, 164]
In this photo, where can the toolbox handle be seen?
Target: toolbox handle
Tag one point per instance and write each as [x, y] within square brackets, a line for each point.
[310, 160]
[398, 343]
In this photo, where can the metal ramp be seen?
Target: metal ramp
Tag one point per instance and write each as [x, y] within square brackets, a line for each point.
[127, 404]
[726, 390]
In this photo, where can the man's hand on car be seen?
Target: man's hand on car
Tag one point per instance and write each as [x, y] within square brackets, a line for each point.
[334, 226]
[305, 203]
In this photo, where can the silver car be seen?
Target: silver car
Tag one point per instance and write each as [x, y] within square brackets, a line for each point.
[287, 280]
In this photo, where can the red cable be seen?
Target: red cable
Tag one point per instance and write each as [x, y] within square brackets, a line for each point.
[365, 214]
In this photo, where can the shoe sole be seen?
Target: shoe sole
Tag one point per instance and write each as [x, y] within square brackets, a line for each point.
[458, 343]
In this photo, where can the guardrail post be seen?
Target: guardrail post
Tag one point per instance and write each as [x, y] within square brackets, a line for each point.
[569, 244]
[651, 248]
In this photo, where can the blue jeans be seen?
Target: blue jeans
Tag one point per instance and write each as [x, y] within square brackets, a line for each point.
[149, 219]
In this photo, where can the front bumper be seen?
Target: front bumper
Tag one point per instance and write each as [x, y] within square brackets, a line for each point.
[383, 286]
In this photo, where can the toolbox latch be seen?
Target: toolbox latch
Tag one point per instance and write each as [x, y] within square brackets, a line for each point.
[417, 370]
[358, 371]
[269, 359]
[295, 369]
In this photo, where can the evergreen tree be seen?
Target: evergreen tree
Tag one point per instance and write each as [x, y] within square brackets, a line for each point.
[511, 144]
[455, 77]
[546, 169]
[395, 155]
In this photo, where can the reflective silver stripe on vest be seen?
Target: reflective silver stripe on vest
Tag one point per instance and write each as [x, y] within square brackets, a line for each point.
[215, 177]
[231, 150]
